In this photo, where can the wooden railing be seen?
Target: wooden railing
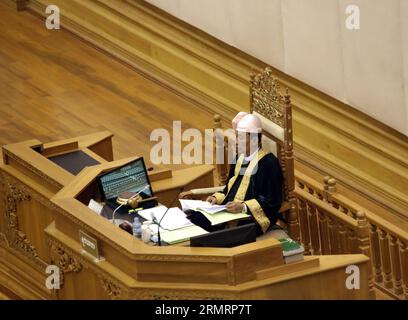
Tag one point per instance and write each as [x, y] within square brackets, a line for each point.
[333, 224]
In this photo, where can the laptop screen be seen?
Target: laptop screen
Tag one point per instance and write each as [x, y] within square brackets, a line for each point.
[129, 178]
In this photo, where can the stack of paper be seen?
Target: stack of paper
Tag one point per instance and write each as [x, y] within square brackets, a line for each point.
[175, 227]
[192, 204]
[95, 206]
[216, 214]
[174, 218]
[224, 216]
[201, 206]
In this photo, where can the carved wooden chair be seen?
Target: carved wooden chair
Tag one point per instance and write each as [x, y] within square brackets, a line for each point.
[275, 111]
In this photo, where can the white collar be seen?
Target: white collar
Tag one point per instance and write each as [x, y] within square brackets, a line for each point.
[251, 156]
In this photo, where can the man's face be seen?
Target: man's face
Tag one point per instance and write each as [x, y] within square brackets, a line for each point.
[247, 143]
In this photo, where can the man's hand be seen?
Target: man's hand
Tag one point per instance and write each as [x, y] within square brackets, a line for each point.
[234, 206]
[212, 200]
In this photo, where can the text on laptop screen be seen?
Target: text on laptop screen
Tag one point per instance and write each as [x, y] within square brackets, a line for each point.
[132, 178]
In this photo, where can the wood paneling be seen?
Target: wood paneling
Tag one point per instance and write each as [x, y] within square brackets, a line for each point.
[54, 86]
[331, 137]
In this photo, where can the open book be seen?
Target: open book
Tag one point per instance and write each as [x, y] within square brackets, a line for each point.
[216, 214]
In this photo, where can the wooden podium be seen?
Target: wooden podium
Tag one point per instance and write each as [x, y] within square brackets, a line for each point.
[45, 221]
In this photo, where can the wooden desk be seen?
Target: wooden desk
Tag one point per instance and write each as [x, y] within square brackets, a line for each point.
[43, 209]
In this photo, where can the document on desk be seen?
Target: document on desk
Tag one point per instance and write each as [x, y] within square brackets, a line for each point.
[224, 216]
[174, 219]
[95, 206]
[216, 214]
[182, 234]
[200, 205]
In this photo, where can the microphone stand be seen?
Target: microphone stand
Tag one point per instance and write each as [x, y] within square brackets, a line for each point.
[127, 202]
[159, 223]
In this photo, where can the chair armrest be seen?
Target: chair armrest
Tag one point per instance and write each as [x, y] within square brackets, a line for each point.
[199, 193]
[210, 190]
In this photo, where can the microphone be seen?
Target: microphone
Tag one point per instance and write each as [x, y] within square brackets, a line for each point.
[159, 223]
[127, 202]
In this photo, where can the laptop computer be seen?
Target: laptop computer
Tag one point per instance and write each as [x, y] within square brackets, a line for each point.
[129, 178]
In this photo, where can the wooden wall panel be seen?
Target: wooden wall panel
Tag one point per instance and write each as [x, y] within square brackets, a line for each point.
[33, 218]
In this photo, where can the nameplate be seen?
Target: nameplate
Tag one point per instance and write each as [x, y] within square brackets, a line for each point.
[89, 244]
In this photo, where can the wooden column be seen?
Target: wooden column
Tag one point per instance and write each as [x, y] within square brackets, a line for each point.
[363, 241]
[385, 259]
[304, 225]
[329, 187]
[352, 240]
[222, 168]
[332, 227]
[375, 254]
[324, 232]
[293, 222]
[403, 250]
[395, 264]
[314, 229]
[343, 243]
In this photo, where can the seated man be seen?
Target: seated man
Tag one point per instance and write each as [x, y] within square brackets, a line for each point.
[254, 183]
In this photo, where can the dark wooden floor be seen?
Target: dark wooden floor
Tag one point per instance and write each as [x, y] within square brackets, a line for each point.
[54, 86]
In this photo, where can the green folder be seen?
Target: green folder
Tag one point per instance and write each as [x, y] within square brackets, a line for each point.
[223, 216]
[182, 234]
